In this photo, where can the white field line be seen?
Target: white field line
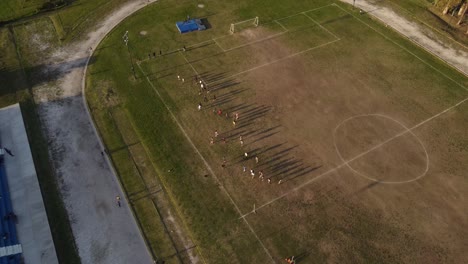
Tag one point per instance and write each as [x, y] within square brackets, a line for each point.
[346, 163]
[310, 10]
[405, 49]
[204, 161]
[218, 45]
[257, 41]
[188, 62]
[277, 22]
[227, 35]
[286, 17]
[277, 60]
[429, 26]
[196, 44]
[322, 27]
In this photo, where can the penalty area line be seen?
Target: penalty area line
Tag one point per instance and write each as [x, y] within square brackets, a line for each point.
[407, 50]
[275, 61]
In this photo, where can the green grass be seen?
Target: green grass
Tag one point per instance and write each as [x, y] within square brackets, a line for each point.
[134, 169]
[154, 230]
[12, 9]
[83, 14]
[70, 20]
[378, 57]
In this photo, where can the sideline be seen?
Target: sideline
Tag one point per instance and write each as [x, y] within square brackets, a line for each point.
[405, 28]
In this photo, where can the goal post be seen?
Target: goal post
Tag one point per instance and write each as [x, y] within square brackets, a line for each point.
[239, 26]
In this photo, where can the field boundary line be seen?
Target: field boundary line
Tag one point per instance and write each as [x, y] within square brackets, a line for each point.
[310, 10]
[346, 163]
[275, 61]
[429, 26]
[281, 25]
[257, 41]
[214, 40]
[322, 27]
[405, 49]
[203, 158]
[193, 68]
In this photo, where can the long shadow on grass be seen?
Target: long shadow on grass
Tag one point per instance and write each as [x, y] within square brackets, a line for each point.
[281, 165]
[337, 19]
[44, 73]
[223, 85]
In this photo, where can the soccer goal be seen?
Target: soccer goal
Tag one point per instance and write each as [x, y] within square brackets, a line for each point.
[239, 26]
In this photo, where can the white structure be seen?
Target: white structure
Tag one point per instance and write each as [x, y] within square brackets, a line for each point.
[243, 24]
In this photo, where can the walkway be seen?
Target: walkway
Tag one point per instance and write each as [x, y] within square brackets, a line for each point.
[104, 233]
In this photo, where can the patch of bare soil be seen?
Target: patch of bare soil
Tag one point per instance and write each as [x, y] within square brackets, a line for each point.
[350, 217]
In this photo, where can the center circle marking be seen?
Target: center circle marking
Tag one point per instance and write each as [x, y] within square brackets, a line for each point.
[373, 178]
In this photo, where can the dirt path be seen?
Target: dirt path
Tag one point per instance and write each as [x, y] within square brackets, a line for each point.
[422, 36]
[104, 232]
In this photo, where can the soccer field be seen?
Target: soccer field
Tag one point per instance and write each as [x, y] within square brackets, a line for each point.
[360, 135]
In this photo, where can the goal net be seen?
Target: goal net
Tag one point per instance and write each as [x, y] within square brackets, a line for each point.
[239, 26]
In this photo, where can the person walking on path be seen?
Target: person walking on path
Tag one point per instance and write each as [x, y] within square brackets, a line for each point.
[252, 173]
[117, 199]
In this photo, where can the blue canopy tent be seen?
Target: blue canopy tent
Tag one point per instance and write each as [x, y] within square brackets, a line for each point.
[190, 25]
